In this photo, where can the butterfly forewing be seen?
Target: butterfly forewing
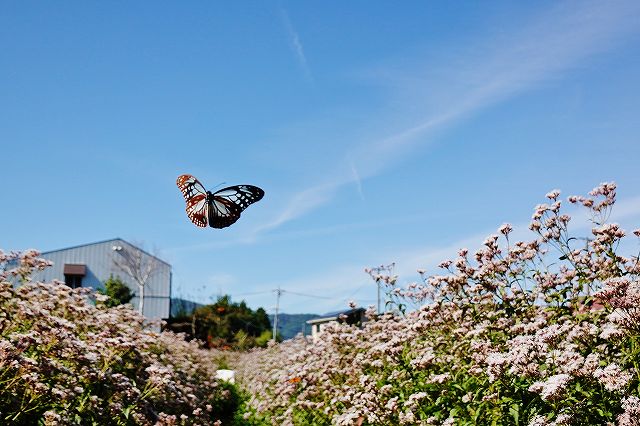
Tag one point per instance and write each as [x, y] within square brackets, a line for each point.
[226, 204]
[190, 186]
[241, 195]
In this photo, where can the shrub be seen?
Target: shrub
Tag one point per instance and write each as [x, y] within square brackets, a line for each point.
[119, 293]
[227, 324]
[263, 339]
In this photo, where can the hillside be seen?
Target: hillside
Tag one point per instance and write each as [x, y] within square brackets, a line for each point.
[182, 307]
[291, 324]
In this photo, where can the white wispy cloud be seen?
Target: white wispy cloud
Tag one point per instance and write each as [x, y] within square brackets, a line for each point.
[356, 178]
[301, 203]
[296, 44]
[488, 72]
[349, 281]
[626, 211]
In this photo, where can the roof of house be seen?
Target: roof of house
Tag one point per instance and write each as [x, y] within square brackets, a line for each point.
[332, 316]
[107, 241]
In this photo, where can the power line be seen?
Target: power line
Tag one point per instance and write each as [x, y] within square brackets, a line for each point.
[283, 291]
[279, 292]
[254, 292]
[352, 294]
[307, 295]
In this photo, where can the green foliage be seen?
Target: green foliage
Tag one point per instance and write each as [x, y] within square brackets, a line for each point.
[227, 324]
[227, 409]
[264, 338]
[118, 292]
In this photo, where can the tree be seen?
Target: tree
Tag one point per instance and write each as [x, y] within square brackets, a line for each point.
[139, 265]
[226, 324]
[119, 293]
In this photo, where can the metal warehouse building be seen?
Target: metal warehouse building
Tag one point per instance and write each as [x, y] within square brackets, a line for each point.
[90, 265]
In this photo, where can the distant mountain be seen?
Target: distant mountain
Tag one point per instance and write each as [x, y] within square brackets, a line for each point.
[182, 307]
[291, 324]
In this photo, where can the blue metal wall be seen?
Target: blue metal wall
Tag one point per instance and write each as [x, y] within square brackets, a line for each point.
[99, 260]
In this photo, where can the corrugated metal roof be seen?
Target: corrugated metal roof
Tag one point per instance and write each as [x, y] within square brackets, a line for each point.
[106, 241]
[330, 316]
[344, 312]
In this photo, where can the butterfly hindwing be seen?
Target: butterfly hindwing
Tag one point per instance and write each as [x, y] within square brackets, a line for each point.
[222, 213]
[197, 207]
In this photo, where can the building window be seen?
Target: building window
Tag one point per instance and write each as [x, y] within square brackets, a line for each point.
[73, 281]
[73, 274]
[317, 328]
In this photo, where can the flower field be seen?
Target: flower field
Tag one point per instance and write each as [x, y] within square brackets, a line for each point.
[540, 332]
[537, 332]
[66, 358]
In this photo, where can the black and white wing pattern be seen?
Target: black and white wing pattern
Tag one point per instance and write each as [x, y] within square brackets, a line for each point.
[219, 209]
[226, 204]
[196, 197]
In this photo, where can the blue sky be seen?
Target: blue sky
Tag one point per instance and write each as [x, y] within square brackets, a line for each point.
[380, 131]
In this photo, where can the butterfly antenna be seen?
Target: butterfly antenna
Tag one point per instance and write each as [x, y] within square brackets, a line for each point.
[218, 185]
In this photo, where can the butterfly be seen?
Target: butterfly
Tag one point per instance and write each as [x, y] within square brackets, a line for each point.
[218, 209]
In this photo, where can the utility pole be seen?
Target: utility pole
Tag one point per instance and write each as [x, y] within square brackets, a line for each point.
[275, 319]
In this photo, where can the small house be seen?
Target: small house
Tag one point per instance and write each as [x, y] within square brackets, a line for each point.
[352, 317]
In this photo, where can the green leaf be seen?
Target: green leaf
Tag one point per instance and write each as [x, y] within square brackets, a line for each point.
[514, 410]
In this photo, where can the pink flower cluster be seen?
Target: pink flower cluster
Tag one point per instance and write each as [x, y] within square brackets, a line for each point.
[539, 332]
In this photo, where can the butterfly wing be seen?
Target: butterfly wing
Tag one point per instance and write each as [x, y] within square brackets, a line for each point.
[222, 212]
[197, 208]
[226, 204]
[196, 197]
[190, 186]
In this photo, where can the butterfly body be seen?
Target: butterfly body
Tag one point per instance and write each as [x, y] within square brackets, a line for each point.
[216, 209]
